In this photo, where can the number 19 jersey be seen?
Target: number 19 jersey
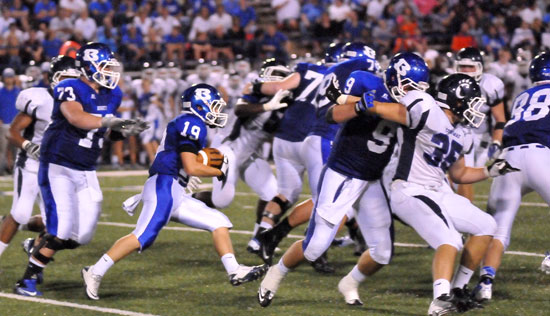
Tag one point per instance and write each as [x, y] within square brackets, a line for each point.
[430, 144]
[68, 145]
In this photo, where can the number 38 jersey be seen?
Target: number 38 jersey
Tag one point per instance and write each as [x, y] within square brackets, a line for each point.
[68, 145]
[530, 121]
[185, 133]
[364, 144]
[430, 144]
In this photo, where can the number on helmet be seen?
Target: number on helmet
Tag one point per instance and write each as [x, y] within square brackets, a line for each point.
[91, 55]
[402, 67]
[203, 94]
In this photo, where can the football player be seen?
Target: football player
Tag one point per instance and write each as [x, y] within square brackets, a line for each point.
[83, 115]
[26, 132]
[526, 145]
[164, 195]
[487, 138]
[435, 138]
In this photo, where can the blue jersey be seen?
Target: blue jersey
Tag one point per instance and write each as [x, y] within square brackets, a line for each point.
[530, 121]
[300, 115]
[341, 71]
[70, 146]
[364, 144]
[185, 133]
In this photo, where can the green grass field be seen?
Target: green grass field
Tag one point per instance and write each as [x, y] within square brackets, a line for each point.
[182, 275]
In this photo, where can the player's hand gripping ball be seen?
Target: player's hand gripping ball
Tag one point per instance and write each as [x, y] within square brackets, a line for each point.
[210, 157]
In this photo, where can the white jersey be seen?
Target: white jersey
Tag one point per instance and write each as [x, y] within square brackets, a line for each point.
[212, 79]
[37, 103]
[429, 144]
[492, 89]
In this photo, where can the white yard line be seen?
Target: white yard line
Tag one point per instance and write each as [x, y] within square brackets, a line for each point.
[247, 232]
[72, 305]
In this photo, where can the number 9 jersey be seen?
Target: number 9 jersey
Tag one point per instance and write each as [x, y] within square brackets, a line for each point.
[70, 146]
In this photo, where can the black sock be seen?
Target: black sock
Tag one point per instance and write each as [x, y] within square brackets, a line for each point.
[32, 270]
[282, 229]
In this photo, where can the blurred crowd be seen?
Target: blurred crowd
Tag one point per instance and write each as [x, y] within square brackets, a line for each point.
[180, 42]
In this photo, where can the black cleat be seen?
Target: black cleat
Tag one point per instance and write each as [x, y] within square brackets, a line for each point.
[322, 265]
[268, 242]
[246, 274]
[463, 300]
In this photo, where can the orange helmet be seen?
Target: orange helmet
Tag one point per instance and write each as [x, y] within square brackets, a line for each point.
[69, 48]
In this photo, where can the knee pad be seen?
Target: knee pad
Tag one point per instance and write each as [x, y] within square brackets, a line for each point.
[284, 207]
[48, 241]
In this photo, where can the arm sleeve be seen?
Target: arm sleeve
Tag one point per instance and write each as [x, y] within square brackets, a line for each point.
[24, 103]
[495, 92]
[417, 108]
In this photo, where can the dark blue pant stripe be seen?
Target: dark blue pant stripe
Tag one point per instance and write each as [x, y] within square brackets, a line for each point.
[49, 201]
[163, 187]
[431, 204]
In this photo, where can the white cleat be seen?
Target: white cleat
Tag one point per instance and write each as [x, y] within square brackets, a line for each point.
[545, 265]
[484, 291]
[349, 288]
[441, 306]
[269, 285]
[246, 274]
[91, 282]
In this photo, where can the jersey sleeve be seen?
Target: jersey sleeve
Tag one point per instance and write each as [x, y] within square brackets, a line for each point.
[191, 136]
[354, 84]
[117, 96]
[418, 106]
[24, 103]
[494, 90]
[301, 68]
[67, 91]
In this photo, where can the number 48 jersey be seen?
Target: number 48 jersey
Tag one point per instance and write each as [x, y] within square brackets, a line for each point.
[430, 144]
[68, 145]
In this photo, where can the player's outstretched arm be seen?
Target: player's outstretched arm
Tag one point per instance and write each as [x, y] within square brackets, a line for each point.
[197, 169]
[75, 114]
[461, 174]
[19, 123]
[271, 87]
[245, 109]
[395, 112]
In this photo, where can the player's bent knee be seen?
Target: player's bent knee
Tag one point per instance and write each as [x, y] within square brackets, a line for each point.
[504, 240]
[218, 221]
[382, 253]
[489, 227]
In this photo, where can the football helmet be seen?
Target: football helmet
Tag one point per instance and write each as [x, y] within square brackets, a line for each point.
[332, 54]
[360, 50]
[62, 66]
[274, 70]
[539, 69]
[461, 94]
[406, 71]
[97, 63]
[205, 101]
[469, 56]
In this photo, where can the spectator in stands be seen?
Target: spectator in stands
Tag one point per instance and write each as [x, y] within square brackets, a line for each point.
[247, 16]
[33, 50]
[8, 95]
[339, 11]
[236, 36]
[174, 43]
[99, 9]
[142, 21]
[172, 6]
[324, 32]
[20, 12]
[62, 24]
[74, 6]
[165, 22]
[221, 45]
[513, 20]
[200, 24]
[354, 29]
[13, 42]
[153, 44]
[311, 13]
[538, 29]
[462, 39]
[474, 30]
[287, 12]
[86, 26]
[51, 44]
[407, 30]
[199, 4]
[375, 8]
[523, 35]
[106, 33]
[492, 41]
[44, 10]
[274, 43]
[133, 46]
[201, 46]
[383, 36]
[530, 12]
[220, 18]
[502, 67]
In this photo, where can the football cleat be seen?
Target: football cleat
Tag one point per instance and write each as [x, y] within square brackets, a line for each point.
[269, 285]
[27, 287]
[322, 265]
[348, 287]
[442, 305]
[91, 283]
[484, 290]
[253, 246]
[545, 265]
[246, 274]
[268, 242]
[464, 300]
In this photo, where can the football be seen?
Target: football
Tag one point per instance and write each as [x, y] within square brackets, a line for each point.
[210, 157]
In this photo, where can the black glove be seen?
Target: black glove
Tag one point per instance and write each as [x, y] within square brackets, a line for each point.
[333, 90]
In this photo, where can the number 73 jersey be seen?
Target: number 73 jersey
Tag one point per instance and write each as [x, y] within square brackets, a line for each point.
[429, 144]
[68, 145]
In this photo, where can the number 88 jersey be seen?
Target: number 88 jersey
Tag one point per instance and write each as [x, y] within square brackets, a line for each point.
[68, 145]
[530, 121]
[429, 144]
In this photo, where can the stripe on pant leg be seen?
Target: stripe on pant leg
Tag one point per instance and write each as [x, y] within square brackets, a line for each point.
[47, 196]
[392, 229]
[435, 208]
[311, 225]
[163, 191]
[19, 181]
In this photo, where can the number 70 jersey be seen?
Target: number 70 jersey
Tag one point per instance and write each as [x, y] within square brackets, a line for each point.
[429, 144]
[68, 145]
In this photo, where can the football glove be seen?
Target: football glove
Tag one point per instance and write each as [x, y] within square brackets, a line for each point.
[275, 102]
[32, 149]
[333, 92]
[366, 102]
[129, 206]
[136, 128]
[193, 184]
[494, 149]
[224, 168]
[499, 167]
[115, 123]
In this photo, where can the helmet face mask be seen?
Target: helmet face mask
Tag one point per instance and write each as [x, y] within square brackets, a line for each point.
[472, 114]
[62, 67]
[107, 74]
[469, 57]
[273, 70]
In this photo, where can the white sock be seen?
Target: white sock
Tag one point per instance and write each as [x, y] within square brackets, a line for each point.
[462, 276]
[38, 263]
[357, 275]
[230, 263]
[284, 270]
[3, 247]
[441, 286]
[102, 265]
[266, 225]
[256, 226]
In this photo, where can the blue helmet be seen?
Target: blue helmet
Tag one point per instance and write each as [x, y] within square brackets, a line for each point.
[360, 50]
[332, 54]
[406, 70]
[97, 63]
[205, 101]
[539, 69]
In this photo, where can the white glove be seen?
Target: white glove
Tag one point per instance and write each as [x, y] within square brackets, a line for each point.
[224, 168]
[275, 102]
[193, 184]
[499, 167]
[129, 206]
[136, 128]
[115, 123]
[32, 149]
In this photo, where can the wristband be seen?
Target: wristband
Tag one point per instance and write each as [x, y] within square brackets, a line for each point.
[500, 125]
[24, 144]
